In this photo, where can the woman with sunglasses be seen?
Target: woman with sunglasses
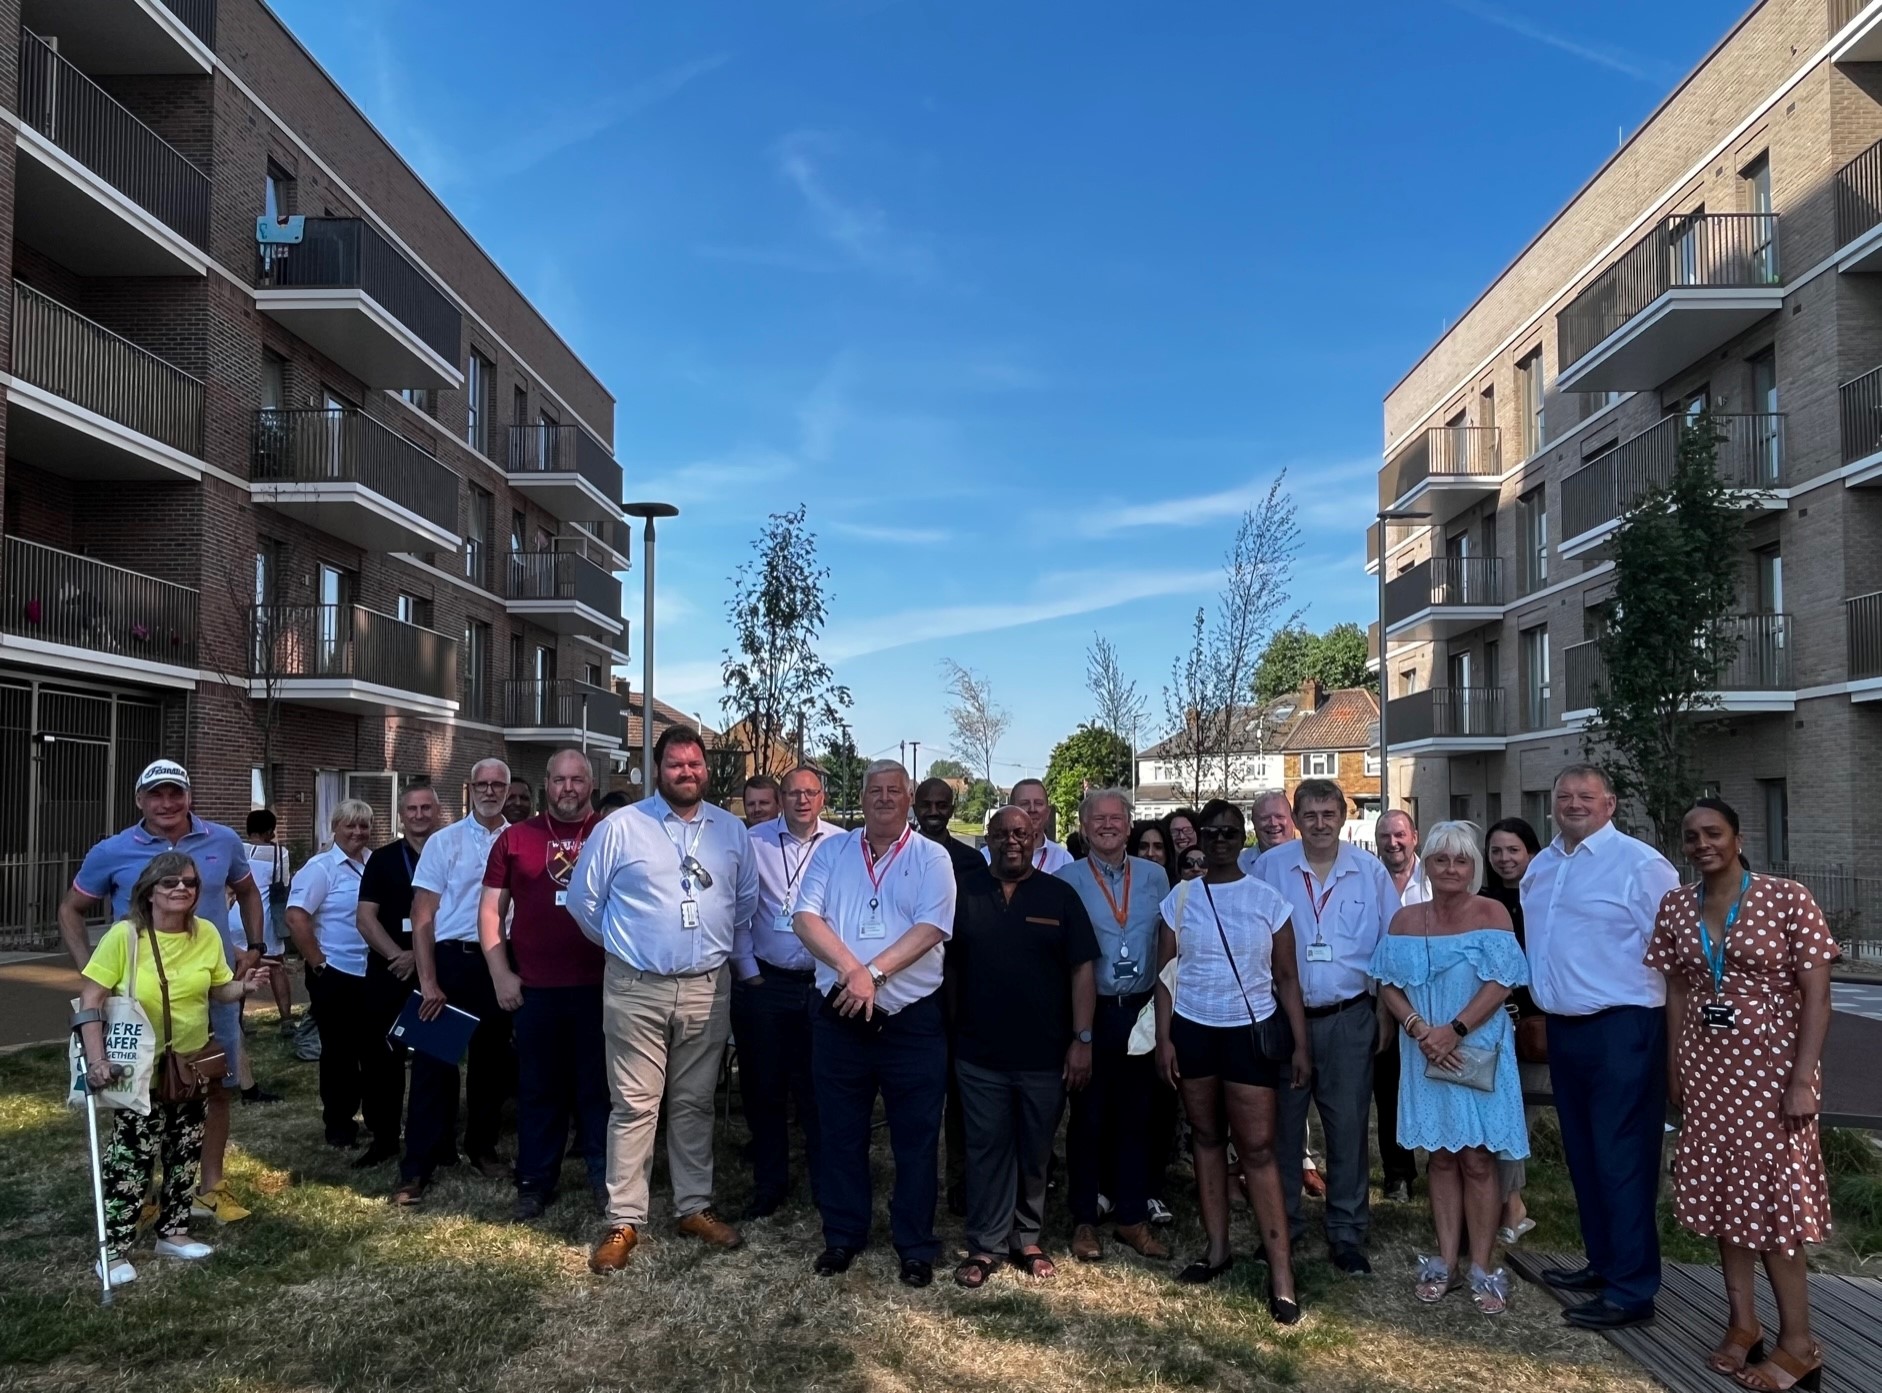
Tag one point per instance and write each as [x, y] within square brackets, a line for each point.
[1219, 1041]
[178, 948]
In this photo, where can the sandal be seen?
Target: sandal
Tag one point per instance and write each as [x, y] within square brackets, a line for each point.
[1509, 1236]
[1434, 1280]
[1490, 1291]
[1202, 1271]
[1739, 1348]
[973, 1273]
[1037, 1266]
[1799, 1374]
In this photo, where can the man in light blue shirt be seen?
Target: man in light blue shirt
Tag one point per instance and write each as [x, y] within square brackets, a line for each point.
[665, 886]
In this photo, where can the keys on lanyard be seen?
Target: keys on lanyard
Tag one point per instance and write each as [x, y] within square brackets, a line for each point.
[1319, 951]
[872, 925]
[1718, 1013]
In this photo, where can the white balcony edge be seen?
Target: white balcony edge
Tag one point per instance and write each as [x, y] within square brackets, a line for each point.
[562, 478]
[1864, 689]
[1450, 745]
[1767, 299]
[171, 242]
[75, 417]
[338, 491]
[1469, 616]
[122, 667]
[180, 34]
[351, 689]
[550, 735]
[1454, 483]
[587, 613]
[269, 298]
[1859, 29]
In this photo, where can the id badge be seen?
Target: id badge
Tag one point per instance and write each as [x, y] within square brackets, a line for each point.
[1319, 952]
[561, 899]
[1124, 969]
[1719, 1015]
[689, 914]
[872, 925]
[405, 927]
[782, 924]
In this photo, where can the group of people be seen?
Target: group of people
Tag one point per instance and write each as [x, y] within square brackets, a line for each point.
[609, 960]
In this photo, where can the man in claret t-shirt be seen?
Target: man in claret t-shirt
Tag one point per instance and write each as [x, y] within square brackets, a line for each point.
[549, 974]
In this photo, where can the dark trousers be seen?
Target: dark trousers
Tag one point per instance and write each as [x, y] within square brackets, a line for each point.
[431, 1124]
[359, 1073]
[561, 1072]
[1609, 1076]
[1108, 1140]
[1011, 1118]
[1398, 1162]
[771, 1023]
[954, 1138]
[906, 1062]
[1341, 1088]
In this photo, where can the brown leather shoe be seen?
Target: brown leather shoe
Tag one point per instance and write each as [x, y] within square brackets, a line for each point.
[1086, 1245]
[611, 1253]
[710, 1229]
[409, 1194]
[1142, 1240]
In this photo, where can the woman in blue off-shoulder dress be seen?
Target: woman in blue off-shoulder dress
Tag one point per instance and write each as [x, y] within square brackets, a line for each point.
[1445, 970]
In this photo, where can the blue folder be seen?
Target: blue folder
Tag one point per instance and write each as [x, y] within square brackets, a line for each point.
[444, 1039]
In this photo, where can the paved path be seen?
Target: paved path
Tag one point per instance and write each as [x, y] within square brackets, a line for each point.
[1858, 998]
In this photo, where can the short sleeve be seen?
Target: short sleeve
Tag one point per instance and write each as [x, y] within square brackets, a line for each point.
[106, 965]
[219, 972]
[1497, 957]
[1385, 965]
[939, 893]
[94, 872]
[309, 890]
[237, 851]
[497, 868]
[1167, 906]
[434, 865]
[1811, 942]
[1663, 947]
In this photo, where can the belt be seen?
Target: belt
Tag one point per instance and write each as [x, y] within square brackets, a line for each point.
[788, 974]
[1315, 1013]
[463, 945]
[1129, 1000]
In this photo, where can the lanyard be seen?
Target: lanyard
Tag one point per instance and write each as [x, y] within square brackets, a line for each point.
[1039, 861]
[870, 862]
[790, 876]
[411, 861]
[1306, 878]
[1117, 913]
[685, 853]
[1715, 958]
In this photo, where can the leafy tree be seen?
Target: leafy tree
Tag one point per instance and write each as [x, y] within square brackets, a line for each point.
[1668, 638]
[1090, 757]
[1285, 664]
[843, 771]
[977, 720]
[1339, 658]
[774, 679]
[948, 769]
[980, 799]
[1120, 704]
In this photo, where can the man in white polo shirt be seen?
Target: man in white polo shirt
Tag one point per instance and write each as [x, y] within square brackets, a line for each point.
[875, 908]
[447, 887]
[1048, 857]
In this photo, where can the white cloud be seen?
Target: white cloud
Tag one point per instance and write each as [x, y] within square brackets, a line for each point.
[1614, 60]
[900, 536]
[859, 229]
[825, 411]
[728, 477]
[1317, 489]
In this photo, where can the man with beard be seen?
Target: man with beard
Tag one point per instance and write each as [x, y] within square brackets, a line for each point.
[518, 801]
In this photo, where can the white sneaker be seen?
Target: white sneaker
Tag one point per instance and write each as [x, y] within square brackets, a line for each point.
[187, 1249]
[1104, 1206]
[1160, 1213]
[122, 1273]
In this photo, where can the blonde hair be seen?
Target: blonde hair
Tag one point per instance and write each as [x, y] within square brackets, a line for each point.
[1458, 839]
[350, 810]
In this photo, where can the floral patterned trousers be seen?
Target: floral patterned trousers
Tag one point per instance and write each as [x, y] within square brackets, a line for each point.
[172, 1133]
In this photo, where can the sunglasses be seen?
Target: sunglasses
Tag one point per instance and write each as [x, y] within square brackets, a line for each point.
[179, 882]
[691, 868]
[1219, 834]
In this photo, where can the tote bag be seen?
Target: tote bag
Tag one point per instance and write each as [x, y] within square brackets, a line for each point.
[1143, 1037]
[130, 1043]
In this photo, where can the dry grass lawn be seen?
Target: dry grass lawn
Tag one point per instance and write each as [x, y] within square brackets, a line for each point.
[327, 1287]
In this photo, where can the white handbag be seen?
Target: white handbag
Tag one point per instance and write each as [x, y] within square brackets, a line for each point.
[1144, 1030]
[130, 1043]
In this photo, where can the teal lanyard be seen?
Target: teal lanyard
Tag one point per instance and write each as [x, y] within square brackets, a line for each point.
[1715, 957]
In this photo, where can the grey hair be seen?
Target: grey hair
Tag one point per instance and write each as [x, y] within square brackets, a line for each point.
[1095, 796]
[1584, 771]
[1458, 839]
[350, 810]
[1268, 795]
[1399, 812]
[488, 763]
[562, 754]
[884, 766]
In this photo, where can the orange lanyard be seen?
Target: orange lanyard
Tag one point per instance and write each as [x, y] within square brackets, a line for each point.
[1118, 913]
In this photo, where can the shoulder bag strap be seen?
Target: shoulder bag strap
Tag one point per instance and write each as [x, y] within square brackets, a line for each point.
[1229, 953]
[156, 956]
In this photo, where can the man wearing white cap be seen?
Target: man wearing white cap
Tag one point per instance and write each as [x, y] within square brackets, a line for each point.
[106, 876]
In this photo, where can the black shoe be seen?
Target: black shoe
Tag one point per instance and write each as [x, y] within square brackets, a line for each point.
[761, 1207]
[255, 1093]
[529, 1205]
[375, 1156]
[1574, 1279]
[1349, 1260]
[1397, 1192]
[916, 1273]
[1602, 1314]
[834, 1260]
[1201, 1272]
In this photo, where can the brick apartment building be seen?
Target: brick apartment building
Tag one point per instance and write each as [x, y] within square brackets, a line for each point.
[1728, 257]
[345, 482]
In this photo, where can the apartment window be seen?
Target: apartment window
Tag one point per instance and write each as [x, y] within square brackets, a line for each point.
[517, 671]
[1492, 808]
[1770, 562]
[1407, 681]
[591, 674]
[519, 417]
[423, 398]
[277, 192]
[1532, 533]
[1756, 177]
[476, 671]
[1486, 407]
[1529, 382]
[1372, 764]
[547, 438]
[479, 513]
[1460, 807]
[1535, 656]
[1766, 423]
[1492, 664]
[1777, 822]
[1539, 812]
[274, 381]
[478, 371]
[1697, 402]
[414, 609]
[1320, 764]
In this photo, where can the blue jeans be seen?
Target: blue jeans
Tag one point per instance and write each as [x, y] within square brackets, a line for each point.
[561, 1072]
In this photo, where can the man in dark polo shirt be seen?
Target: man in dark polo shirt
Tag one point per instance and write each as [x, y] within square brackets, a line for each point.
[1023, 949]
[554, 986]
[934, 810]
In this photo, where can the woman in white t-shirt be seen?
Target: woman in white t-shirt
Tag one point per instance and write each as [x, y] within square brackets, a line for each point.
[1231, 1033]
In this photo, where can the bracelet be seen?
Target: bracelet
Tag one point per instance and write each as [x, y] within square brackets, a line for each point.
[1411, 1022]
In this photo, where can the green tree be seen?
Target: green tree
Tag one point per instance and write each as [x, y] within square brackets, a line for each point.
[1090, 757]
[948, 769]
[1668, 637]
[1285, 663]
[1339, 658]
[842, 772]
[980, 799]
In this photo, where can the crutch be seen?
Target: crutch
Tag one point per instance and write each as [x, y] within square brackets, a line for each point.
[98, 1192]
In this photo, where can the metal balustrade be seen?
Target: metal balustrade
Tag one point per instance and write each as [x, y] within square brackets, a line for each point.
[308, 641]
[57, 597]
[349, 254]
[1444, 581]
[561, 703]
[1750, 456]
[544, 448]
[317, 446]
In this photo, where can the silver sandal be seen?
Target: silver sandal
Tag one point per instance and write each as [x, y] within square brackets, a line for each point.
[1434, 1281]
[1490, 1291]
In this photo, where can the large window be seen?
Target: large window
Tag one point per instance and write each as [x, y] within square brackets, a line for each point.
[1532, 539]
[1757, 182]
[1777, 821]
[1766, 422]
[1320, 764]
[477, 524]
[277, 192]
[477, 375]
[1535, 654]
[1529, 382]
[476, 671]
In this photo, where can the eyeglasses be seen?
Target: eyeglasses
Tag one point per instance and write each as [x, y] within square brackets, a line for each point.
[497, 784]
[180, 882]
[1219, 834]
[692, 870]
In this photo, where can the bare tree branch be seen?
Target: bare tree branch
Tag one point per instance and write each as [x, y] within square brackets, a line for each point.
[1257, 573]
[1120, 705]
[977, 721]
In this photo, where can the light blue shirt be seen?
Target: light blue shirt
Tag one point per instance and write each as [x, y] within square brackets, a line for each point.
[111, 868]
[1136, 940]
[626, 891]
[782, 860]
[1338, 922]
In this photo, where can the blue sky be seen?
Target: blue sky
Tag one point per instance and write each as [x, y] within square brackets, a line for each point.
[1024, 301]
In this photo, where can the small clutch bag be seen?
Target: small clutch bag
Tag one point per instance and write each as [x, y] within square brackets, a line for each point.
[1479, 1071]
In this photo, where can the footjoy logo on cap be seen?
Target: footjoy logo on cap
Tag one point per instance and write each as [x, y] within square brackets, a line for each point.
[163, 771]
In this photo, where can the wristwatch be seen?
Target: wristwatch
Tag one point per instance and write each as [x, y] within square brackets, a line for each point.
[877, 975]
[1460, 1029]
[1083, 1037]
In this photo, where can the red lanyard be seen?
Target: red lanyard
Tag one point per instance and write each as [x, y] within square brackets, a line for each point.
[1118, 914]
[1306, 878]
[870, 862]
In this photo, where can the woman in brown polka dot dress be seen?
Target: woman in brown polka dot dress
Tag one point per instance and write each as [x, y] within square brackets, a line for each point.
[1746, 959]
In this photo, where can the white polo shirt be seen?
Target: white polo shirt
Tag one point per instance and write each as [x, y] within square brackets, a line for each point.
[915, 887]
[327, 888]
[1050, 859]
[1587, 919]
[782, 858]
[452, 868]
[1338, 922]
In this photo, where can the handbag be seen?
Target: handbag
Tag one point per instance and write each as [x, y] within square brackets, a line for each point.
[130, 1043]
[1273, 1037]
[183, 1075]
[277, 887]
[1143, 1038]
[1479, 1064]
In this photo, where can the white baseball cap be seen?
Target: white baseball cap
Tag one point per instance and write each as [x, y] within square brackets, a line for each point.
[163, 771]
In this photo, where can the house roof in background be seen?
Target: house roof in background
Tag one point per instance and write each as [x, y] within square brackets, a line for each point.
[1347, 720]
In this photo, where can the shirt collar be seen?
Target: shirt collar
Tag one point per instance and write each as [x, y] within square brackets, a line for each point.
[139, 834]
[1593, 843]
[1345, 862]
[659, 810]
[779, 830]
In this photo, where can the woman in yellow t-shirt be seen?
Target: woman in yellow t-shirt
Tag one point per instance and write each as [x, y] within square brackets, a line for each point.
[162, 915]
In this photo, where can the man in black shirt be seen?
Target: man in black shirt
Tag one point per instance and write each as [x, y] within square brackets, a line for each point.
[934, 810]
[385, 922]
[1024, 994]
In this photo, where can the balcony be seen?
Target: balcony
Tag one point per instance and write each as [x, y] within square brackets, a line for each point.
[1443, 597]
[1595, 497]
[1758, 679]
[1863, 618]
[610, 648]
[1690, 285]
[561, 591]
[74, 615]
[1863, 44]
[89, 405]
[353, 478]
[607, 542]
[1447, 720]
[1443, 471]
[97, 190]
[566, 470]
[350, 659]
[350, 293]
[109, 37]
[561, 711]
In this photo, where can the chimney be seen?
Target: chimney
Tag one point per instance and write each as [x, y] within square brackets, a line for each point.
[1312, 695]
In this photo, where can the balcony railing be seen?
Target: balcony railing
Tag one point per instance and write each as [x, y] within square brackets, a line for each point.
[1446, 712]
[1444, 581]
[349, 254]
[549, 449]
[561, 703]
[1860, 402]
[1709, 251]
[1864, 618]
[1762, 662]
[612, 533]
[303, 641]
[1842, 12]
[1443, 452]
[1750, 456]
[551, 575]
[62, 352]
[1859, 195]
[56, 597]
[91, 126]
[198, 16]
[316, 446]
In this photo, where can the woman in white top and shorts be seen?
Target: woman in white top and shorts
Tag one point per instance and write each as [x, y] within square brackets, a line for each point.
[1233, 1031]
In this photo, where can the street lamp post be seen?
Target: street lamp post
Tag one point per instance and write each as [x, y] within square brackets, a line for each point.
[648, 512]
[1385, 687]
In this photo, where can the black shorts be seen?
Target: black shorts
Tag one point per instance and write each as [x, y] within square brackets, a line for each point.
[1225, 1052]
